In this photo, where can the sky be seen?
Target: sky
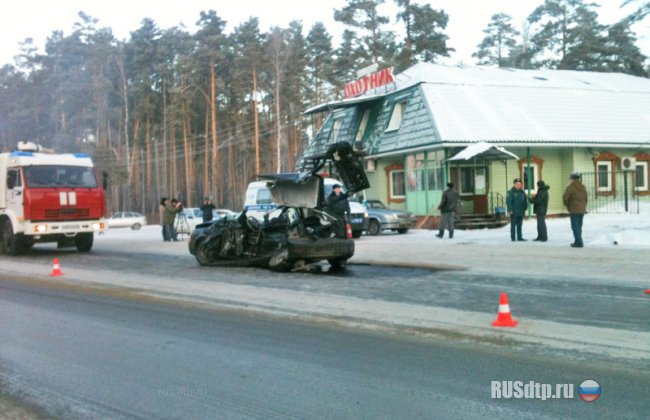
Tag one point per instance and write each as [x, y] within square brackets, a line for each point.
[467, 18]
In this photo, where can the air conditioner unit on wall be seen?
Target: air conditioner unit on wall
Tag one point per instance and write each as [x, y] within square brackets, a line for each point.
[628, 163]
[371, 165]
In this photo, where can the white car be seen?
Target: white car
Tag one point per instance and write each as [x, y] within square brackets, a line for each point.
[187, 220]
[126, 219]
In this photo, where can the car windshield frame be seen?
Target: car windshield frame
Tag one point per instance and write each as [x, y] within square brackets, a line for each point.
[59, 176]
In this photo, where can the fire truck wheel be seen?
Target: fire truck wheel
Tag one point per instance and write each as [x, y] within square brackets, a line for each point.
[11, 244]
[84, 242]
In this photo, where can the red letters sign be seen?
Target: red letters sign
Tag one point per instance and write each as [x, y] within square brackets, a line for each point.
[369, 82]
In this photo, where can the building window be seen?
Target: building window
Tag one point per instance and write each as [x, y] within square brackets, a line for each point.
[415, 172]
[396, 116]
[641, 177]
[536, 167]
[604, 176]
[336, 129]
[605, 169]
[534, 176]
[363, 124]
[397, 184]
[466, 180]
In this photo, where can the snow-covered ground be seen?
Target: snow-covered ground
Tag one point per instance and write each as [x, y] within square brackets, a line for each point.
[622, 229]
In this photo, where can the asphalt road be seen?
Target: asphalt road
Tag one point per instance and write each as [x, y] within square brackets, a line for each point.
[89, 356]
[570, 299]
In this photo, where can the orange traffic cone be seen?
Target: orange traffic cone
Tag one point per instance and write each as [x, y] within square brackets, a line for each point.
[56, 270]
[647, 292]
[504, 319]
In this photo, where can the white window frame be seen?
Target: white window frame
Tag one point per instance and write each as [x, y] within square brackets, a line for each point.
[643, 187]
[336, 127]
[396, 116]
[607, 163]
[390, 180]
[363, 125]
[534, 169]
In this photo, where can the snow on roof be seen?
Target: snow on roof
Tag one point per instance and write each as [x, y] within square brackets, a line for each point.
[484, 150]
[470, 104]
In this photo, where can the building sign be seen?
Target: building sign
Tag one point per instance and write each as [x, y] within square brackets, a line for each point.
[369, 82]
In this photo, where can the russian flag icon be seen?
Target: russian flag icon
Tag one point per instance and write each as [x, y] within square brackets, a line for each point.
[589, 390]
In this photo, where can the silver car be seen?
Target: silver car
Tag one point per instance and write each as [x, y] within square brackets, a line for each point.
[381, 218]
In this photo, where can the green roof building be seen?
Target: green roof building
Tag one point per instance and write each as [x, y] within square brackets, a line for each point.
[506, 124]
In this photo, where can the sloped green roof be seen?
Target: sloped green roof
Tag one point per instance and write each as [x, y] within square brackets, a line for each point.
[417, 127]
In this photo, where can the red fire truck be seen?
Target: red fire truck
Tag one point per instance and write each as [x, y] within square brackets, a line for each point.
[47, 197]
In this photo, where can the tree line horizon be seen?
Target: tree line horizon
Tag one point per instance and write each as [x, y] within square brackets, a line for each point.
[171, 113]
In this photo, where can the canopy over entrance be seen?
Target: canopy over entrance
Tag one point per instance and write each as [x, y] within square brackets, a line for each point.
[483, 150]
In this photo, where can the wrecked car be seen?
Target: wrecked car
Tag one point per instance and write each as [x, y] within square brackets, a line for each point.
[299, 232]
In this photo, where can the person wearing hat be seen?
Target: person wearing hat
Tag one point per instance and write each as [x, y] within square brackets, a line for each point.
[448, 208]
[206, 209]
[575, 200]
[517, 206]
[540, 206]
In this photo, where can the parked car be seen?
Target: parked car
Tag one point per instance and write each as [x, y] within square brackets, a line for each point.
[295, 234]
[381, 218]
[187, 219]
[126, 219]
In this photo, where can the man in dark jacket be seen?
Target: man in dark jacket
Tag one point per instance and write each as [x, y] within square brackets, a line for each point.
[339, 206]
[540, 206]
[575, 200]
[206, 209]
[448, 208]
[517, 206]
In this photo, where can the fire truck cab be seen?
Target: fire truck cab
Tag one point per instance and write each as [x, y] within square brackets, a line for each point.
[46, 197]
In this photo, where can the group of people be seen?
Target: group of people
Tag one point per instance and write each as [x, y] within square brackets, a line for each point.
[170, 208]
[574, 198]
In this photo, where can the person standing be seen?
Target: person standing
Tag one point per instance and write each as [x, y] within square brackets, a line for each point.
[161, 215]
[339, 206]
[206, 209]
[540, 207]
[448, 208]
[517, 206]
[575, 200]
[169, 216]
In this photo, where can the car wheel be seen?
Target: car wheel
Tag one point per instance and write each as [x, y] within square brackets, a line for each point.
[136, 226]
[11, 243]
[337, 263]
[402, 230]
[84, 242]
[374, 227]
[202, 254]
[280, 261]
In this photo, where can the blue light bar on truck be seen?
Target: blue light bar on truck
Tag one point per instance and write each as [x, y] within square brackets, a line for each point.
[21, 154]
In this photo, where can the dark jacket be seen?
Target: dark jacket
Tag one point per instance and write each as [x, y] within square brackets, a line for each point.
[206, 209]
[575, 198]
[517, 203]
[540, 201]
[449, 201]
[338, 204]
